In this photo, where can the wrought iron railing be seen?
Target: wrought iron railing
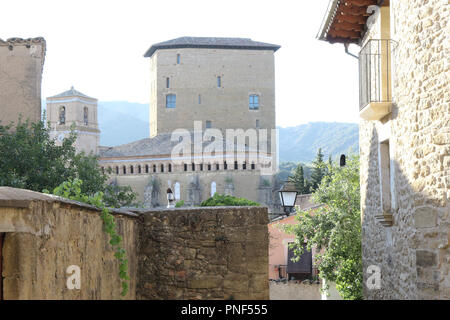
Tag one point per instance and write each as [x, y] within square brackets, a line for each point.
[375, 61]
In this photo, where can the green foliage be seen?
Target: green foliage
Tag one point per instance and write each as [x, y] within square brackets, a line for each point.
[298, 178]
[119, 196]
[319, 170]
[335, 228]
[223, 200]
[30, 159]
[72, 189]
[179, 204]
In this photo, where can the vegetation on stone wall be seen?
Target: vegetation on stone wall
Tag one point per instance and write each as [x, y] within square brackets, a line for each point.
[73, 190]
[335, 228]
[219, 200]
[30, 159]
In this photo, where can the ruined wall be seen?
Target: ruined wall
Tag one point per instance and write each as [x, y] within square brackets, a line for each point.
[204, 253]
[21, 65]
[414, 253]
[45, 235]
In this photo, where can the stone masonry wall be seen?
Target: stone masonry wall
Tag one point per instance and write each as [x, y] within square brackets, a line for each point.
[413, 254]
[21, 64]
[44, 235]
[204, 253]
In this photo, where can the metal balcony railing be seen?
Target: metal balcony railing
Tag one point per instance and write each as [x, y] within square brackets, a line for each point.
[375, 60]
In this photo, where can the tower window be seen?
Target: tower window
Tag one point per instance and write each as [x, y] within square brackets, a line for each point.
[253, 102]
[139, 169]
[208, 124]
[131, 169]
[225, 166]
[185, 167]
[162, 168]
[219, 81]
[178, 58]
[244, 166]
[167, 82]
[85, 116]
[154, 168]
[171, 100]
[62, 115]
[253, 166]
[209, 167]
[170, 167]
[193, 167]
[117, 170]
[217, 167]
[146, 168]
[201, 166]
[124, 170]
[235, 165]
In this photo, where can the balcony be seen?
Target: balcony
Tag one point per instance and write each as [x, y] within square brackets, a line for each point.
[375, 87]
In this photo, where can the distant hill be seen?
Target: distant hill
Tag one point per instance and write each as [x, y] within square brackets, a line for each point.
[123, 122]
[300, 143]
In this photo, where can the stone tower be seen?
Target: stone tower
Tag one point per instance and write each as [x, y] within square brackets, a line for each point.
[74, 108]
[226, 83]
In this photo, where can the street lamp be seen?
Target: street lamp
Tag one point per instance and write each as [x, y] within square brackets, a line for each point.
[288, 195]
[170, 199]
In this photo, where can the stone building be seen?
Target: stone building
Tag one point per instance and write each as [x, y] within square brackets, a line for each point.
[203, 87]
[404, 141]
[72, 108]
[21, 65]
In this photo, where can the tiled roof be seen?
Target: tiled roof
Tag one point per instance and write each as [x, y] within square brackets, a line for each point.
[156, 146]
[209, 42]
[71, 93]
[345, 20]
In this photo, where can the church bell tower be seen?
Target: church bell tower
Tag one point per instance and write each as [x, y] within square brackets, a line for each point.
[74, 108]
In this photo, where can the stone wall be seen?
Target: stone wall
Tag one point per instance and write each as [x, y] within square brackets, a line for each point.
[21, 65]
[44, 235]
[197, 253]
[204, 253]
[413, 253]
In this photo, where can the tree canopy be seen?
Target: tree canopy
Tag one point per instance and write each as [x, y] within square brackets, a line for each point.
[31, 159]
[335, 229]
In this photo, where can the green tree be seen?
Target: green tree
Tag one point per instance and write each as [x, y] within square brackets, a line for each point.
[335, 230]
[298, 178]
[30, 159]
[318, 171]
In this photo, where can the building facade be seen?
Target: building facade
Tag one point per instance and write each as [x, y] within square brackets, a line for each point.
[74, 110]
[21, 66]
[404, 141]
[217, 97]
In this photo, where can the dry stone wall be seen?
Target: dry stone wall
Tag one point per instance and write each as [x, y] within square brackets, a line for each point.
[204, 253]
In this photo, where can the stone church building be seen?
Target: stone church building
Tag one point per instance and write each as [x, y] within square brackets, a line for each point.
[215, 95]
[404, 135]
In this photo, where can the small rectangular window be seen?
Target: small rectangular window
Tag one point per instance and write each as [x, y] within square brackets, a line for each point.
[257, 124]
[208, 124]
[178, 58]
[171, 101]
[219, 82]
[185, 167]
[217, 167]
[253, 102]
[167, 82]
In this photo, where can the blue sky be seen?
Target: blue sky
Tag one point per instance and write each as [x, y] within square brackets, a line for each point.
[98, 47]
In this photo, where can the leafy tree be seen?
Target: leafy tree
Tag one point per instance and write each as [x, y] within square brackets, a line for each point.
[335, 230]
[224, 200]
[30, 159]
